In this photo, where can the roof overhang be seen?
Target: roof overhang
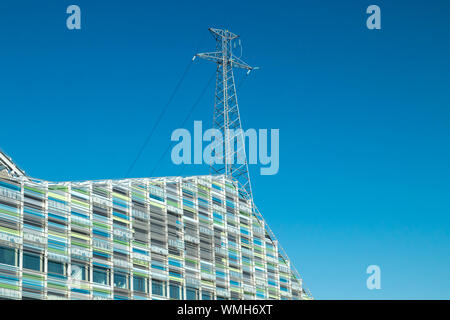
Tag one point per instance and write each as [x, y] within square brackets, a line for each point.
[11, 168]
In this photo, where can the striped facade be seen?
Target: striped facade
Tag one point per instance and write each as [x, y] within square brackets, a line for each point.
[161, 238]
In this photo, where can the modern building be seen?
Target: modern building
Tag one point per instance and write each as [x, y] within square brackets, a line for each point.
[151, 238]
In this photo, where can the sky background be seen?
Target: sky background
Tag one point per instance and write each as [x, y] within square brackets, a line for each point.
[364, 119]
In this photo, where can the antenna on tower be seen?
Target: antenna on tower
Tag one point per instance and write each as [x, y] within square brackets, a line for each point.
[226, 111]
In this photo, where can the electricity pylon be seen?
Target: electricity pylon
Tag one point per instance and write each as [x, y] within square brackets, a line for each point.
[226, 111]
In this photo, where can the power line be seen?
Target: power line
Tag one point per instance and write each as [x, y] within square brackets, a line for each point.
[163, 111]
[161, 114]
[184, 121]
[239, 86]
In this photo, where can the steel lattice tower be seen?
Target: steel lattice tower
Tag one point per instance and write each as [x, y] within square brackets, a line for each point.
[226, 111]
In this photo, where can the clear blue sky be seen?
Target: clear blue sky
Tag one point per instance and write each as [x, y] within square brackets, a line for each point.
[363, 115]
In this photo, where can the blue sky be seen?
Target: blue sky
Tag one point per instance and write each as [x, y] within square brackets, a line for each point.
[363, 116]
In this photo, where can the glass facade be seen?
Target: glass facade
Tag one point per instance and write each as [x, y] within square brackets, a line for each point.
[162, 238]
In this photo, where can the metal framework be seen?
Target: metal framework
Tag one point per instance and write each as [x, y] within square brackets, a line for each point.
[233, 161]
[148, 238]
[7, 165]
[228, 121]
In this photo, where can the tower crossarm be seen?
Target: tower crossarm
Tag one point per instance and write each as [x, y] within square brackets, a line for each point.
[218, 58]
[211, 56]
[221, 33]
[236, 62]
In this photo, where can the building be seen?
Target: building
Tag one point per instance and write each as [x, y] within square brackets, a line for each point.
[150, 238]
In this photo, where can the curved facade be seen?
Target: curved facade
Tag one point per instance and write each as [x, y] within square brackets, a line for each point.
[151, 238]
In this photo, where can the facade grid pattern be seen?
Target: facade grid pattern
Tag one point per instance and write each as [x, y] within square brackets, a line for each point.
[151, 238]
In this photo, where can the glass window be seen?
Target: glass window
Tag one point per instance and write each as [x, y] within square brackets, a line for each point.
[139, 284]
[32, 261]
[206, 295]
[158, 288]
[120, 280]
[101, 275]
[56, 268]
[79, 272]
[191, 294]
[8, 256]
[174, 291]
